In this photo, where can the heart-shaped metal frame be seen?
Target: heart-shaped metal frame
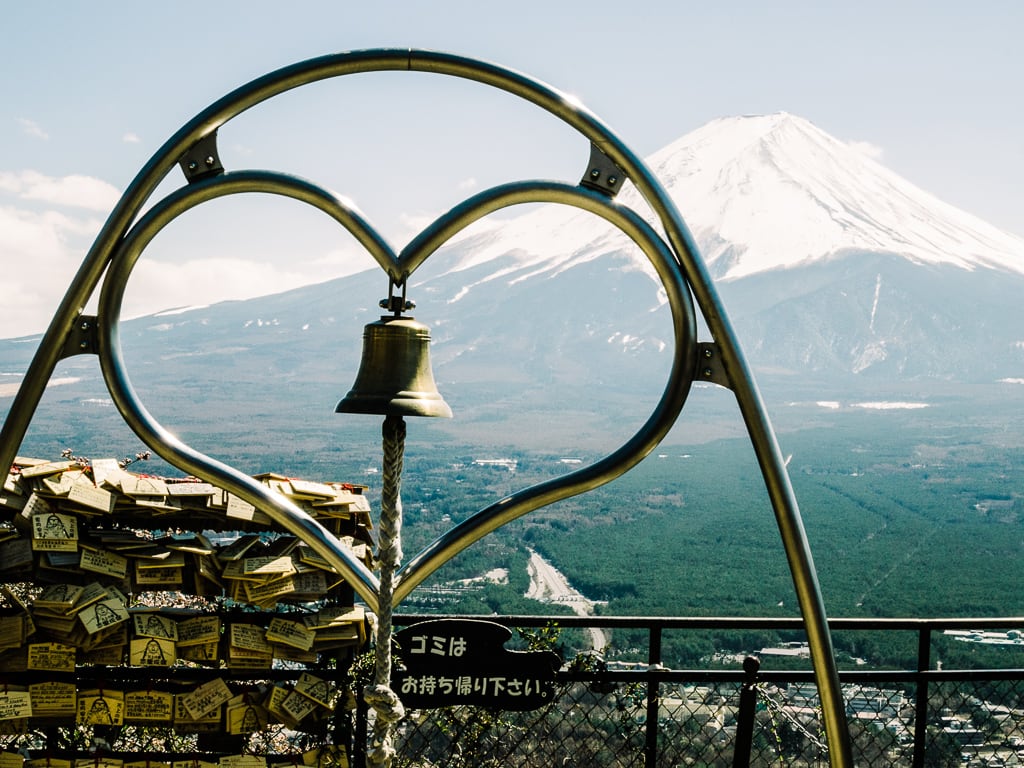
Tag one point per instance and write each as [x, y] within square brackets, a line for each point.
[674, 257]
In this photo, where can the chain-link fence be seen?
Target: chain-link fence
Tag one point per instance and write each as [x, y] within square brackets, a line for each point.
[649, 716]
[605, 711]
[697, 725]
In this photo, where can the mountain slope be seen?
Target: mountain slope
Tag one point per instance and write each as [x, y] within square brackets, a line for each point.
[761, 193]
[811, 242]
[838, 276]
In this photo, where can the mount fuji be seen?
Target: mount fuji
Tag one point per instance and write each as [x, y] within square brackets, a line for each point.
[761, 193]
[829, 264]
[776, 191]
[837, 275]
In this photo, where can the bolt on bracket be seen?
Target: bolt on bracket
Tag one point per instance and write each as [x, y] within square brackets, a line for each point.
[709, 365]
[83, 339]
[602, 174]
[202, 160]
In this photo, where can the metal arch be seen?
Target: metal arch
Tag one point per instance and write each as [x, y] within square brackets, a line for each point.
[631, 452]
[290, 516]
[165, 443]
[736, 369]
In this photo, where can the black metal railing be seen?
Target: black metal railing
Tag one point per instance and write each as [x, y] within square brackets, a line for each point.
[645, 713]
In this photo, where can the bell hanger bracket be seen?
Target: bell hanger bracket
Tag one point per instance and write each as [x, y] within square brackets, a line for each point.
[396, 304]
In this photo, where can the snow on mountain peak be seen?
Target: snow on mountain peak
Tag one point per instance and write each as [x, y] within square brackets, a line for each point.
[766, 192]
[771, 191]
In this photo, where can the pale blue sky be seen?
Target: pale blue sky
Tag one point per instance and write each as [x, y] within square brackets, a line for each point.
[91, 90]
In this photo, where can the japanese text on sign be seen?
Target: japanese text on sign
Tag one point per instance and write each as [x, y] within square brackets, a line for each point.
[468, 685]
[437, 645]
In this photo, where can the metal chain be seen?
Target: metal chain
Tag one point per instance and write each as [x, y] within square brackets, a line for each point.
[776, 709]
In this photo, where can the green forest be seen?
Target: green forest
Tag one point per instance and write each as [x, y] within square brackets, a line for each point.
[903, 520]
[909, 513]
[691, 532]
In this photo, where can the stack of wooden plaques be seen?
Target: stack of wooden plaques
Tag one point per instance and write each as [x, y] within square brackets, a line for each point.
[235, 626]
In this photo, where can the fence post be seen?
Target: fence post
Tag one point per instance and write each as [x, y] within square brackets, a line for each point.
[653, 696]
[924, 663]
[745, 718]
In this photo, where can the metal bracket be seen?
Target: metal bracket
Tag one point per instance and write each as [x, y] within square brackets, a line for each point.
[602, 174]
[709, 365]
[83, 339]
[396, 304]
[202, 159]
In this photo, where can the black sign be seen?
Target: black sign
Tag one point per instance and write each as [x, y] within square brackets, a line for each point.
[464, 661]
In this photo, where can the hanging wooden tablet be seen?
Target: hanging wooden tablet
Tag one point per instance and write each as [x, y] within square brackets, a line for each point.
[205, 699]
[54, 657]
[151, 652]
[100, 707]
[328, 756]
[243, 714]
[96, 560]
[199, 630]
[320, 691]
[54, 532]
[242, 761]
[184, 723]
[291, 633]
[98, 761]
[15, 703]
[103, 614]
[151, 624]
[54, 699]
[149, 706]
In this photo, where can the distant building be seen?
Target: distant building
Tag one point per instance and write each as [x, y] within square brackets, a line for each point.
[865, 703]
[1010, 637]
[965, 734]
[508, 464]
[797, 649]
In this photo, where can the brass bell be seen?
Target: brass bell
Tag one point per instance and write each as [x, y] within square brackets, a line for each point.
[394, 375]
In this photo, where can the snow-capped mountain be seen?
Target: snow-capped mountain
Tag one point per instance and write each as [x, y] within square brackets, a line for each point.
[836, 273]
[828, 262]
[767, 192]
[776, 191]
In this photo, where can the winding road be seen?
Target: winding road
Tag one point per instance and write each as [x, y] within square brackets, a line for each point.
[549, 585]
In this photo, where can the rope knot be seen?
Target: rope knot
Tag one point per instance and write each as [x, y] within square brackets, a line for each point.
[385, 703]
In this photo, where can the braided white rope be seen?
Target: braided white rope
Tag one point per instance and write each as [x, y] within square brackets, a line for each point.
[385, 701]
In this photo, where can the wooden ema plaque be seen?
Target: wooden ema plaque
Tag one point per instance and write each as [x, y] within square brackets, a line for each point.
[86, 537]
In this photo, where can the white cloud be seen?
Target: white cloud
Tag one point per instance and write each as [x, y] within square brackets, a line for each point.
[467, 184]
[32, 128]
[868, 149]
[131, 138]
[75, 190]
[412, 224]
[155, 286]
[41, 252]
[341, 262]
